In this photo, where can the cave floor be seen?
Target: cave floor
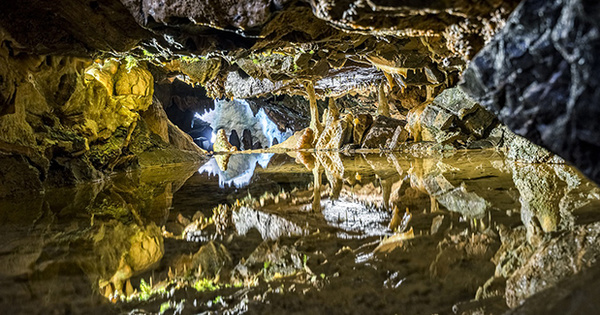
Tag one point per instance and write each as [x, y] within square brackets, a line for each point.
[388, 233]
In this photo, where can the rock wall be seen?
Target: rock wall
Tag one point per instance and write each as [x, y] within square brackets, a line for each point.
[538, 76]
[65, 120]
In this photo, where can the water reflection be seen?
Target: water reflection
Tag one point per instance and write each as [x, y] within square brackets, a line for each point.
[451, 228]
[235, 170]
[81, 243]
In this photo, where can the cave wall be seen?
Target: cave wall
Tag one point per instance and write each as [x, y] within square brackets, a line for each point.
[65, 120]
[539, 77]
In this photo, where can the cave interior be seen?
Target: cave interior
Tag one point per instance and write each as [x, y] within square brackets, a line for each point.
[299, 156]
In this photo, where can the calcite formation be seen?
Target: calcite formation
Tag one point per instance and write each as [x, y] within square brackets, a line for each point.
[67, 120]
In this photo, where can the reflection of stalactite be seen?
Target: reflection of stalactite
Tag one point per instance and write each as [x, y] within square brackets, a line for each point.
[540, 195]
[336, 187]
[316, 202]
[386, 189]
[396, 163]
[435, 206]
[334, 171]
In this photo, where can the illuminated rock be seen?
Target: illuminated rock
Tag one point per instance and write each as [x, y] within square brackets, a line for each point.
[221, 144]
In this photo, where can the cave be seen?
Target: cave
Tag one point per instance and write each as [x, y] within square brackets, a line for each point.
[295, 156]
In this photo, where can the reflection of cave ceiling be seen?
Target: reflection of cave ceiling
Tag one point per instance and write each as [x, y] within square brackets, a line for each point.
[241, 49]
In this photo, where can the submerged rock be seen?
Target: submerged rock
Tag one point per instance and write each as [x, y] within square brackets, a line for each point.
[270, 226]
[126, 250]
[554, 261]
[270, 259]
[210, 260]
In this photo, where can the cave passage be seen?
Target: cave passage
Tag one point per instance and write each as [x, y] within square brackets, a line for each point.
[301, 157]
[244, 129]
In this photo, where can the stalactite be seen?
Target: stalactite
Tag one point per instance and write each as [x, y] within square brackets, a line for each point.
[390, 80]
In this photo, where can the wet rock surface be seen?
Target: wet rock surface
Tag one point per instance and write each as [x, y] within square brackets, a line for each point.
[537, 76]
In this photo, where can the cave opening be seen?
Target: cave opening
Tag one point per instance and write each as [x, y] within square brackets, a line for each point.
[245, 129]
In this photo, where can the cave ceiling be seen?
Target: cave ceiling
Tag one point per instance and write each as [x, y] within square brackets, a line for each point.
[254, 48]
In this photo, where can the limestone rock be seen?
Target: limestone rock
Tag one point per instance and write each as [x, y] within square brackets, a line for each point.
[270, 226]
[337, 133]
[523, 150]
[381, 131]
[305, 140]
[280, 259]
[182, 140]
[221, 144]
[134, 81]
[453, 118]
[560, 258]
[211, 259]
[157, 120]
[400, 136]
[18, 176]
[540, 192]
[361, 123]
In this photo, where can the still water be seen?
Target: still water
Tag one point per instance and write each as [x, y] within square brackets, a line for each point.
[461, 232]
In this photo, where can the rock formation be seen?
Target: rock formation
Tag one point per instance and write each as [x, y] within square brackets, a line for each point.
[538, 77]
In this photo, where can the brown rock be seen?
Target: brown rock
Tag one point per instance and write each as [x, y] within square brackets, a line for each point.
[306, 139]
[381, 131]
[400, 136]
[182, 140]
[157, 120]
[361, 123]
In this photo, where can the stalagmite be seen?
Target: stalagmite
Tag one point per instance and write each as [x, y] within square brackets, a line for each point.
[315, 124]
[333, 109]
[383, 108]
